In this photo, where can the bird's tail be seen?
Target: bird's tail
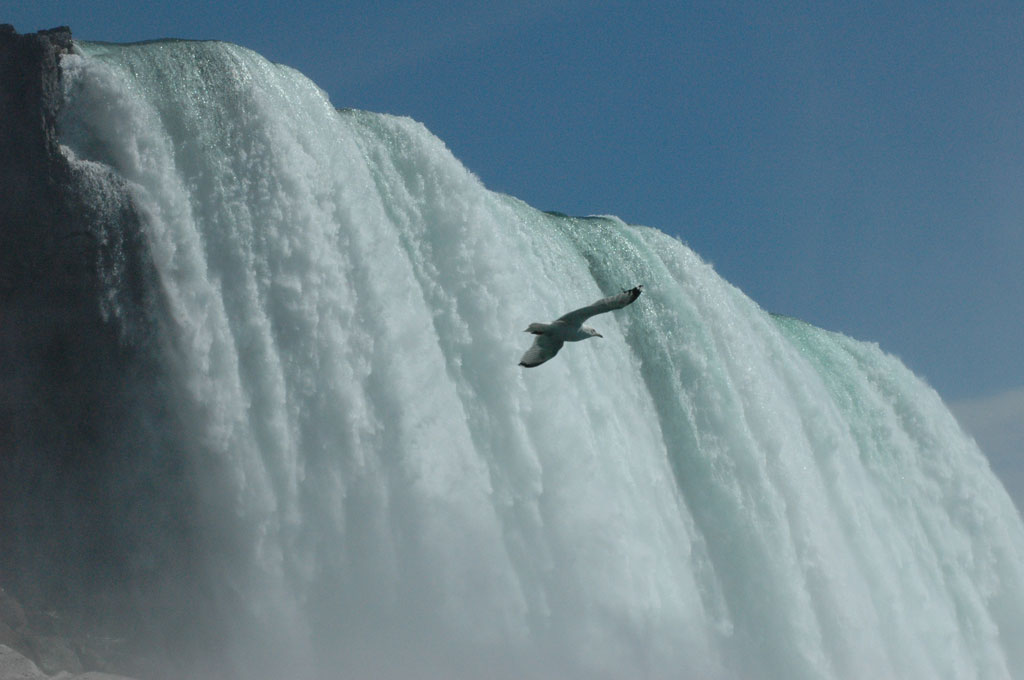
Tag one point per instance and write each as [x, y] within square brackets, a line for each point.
[537, 328]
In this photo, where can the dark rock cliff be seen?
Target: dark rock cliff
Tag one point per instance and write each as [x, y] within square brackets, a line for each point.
[52, 331]
[33, 177]
[83, 547]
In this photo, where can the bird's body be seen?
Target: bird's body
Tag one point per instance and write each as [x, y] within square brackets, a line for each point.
[569, 327]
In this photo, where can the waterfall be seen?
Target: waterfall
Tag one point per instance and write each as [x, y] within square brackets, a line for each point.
[367, 485]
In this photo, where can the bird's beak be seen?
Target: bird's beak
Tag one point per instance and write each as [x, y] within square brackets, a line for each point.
[598, 335]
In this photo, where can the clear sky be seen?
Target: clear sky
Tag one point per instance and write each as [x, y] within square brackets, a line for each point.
[858, 165]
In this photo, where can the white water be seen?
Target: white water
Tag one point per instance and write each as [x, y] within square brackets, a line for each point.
[709, 492]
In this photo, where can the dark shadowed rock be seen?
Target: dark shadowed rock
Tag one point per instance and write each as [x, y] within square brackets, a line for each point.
[66, 373]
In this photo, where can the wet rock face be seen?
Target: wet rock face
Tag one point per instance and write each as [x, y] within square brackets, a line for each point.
[35, 213]
[31, 175]
[64, 370]
[29, 101]
[65, 367]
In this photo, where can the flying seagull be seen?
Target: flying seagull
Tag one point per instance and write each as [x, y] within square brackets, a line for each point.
[569, 327]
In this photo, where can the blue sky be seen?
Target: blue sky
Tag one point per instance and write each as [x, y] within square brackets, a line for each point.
[856, 165]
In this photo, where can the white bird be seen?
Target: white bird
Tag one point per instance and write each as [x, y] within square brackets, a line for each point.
[569, 327]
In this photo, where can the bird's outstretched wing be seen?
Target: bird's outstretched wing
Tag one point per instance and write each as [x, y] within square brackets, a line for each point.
[578, 316]
[543, 348]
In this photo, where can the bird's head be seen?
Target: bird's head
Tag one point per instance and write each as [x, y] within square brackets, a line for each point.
[591, 332]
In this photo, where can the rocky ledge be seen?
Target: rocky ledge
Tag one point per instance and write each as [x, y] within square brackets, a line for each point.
[15, 666]
[33, 646]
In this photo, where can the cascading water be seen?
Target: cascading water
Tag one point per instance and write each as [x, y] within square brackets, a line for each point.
[374, 488]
